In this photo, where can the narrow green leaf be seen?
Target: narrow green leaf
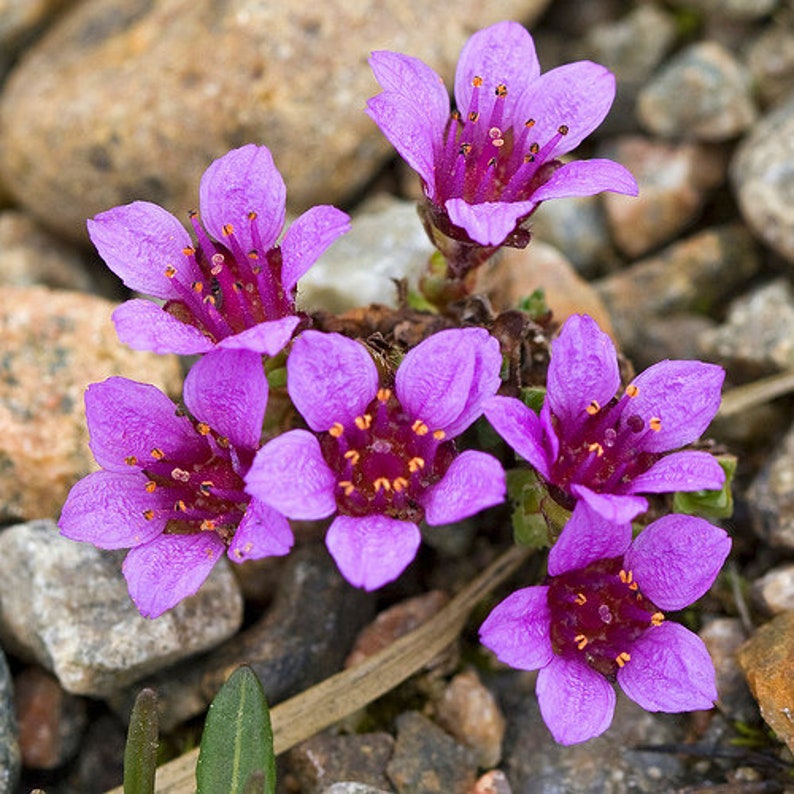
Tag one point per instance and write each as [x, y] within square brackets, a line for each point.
[140, 752]
[710, 504]
[237, 744]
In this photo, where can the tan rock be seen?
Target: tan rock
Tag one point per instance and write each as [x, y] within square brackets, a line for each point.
[767, 659]
[132, 99]
[54, 344]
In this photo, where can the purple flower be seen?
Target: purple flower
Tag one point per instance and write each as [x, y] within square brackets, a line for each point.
[600, 618]
[382, 457]
[486, 167]
[604, 450]
[232, 288]
[171, 486]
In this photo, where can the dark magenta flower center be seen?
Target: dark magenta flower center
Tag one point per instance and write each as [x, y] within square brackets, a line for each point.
[597, 613]
[223, 289]
[197, 493]
[385, 460]
[605, 450]
[487, 159]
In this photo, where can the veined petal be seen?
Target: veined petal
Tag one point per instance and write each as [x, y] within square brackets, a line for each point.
[227, 389]
[446, 379]
[689, 470]
[330, 379]
[168, 569]
[138, 242]
[413, 110]
[670, 670]
[576, 702]
[372, 550]
[267, 338]
[676, 559]
[132, 423]
[290, 474]
[107, 508]
[242, 182]
[474, 481]
[306, 239]
[586, 178]
[586, 538]
[684, 395]
[583, 370]
[490, 222]
[520, 427]
[577, 95]
[614, 508]
[263, 532]
[517, 629]
[143, 325]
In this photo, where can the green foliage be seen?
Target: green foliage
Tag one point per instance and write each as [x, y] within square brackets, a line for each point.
[236, 754]
[710, 504]
[140, 752]
[535, 305]
[533, 397]
[537, 518]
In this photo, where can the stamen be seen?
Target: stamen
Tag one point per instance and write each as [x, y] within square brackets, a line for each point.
[477, 81]
[252, 216]
[622, 658]
[381, 482]
[189, 251]
[593, 408]
[399, 484]
[473, 116]
[657, 618]
[439, 435]
[420, 428]
[383, 395]
[150, 486]
[655, 423]
[415, 464]
[580, 599]
[632, 390]
[563, 129]
[180, 474]
[363, 422]
[228, 230]
[597, 448]
[207, 525]
[465, 149]
[501, 90]
[206, 487]
[170, 271]
[352, 456]
[157, 453]
[131, 460]
[180, 506]
[347, 487]
[148, 514]
[197, 286]
[581, 641]
[529, 123]
[336, 430]
[203, 429]
[626, 576]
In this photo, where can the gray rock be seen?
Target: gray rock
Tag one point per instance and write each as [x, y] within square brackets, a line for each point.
[9, 745]
[674, 181]
[757, 337]
[762, 173]
[774, 591]
[427, 760]
[734, 9]
[770, 59]
[771, 496]
[354, 788]
[115, 104]
[65, 605]
[384, 244]
[702, 93]
[693, 274]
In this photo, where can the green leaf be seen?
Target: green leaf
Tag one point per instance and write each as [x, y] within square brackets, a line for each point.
[140, 752]
[533, 397]
[710, 504]
[537, 518]
[535, 305]
[236, 754]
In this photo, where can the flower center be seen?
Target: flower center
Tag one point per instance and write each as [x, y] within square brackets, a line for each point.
[597, 613]
[385, 460]
[486, 159]
[198, 493]
[605, 449]
[222, 289]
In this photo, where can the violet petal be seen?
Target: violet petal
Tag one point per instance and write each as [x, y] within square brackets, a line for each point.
[676, 559]
[168, 569]
[576, 702]
[669, 670]
[143, 325]
[263, 532]
[615, 508]
[587, 178]
[330, 379]
[690, 470]
[474, 481]
[517, 629]
[138, 242]
[372, 550]
[290, 474]
[268, 338]
[520, 427]
[489, 222]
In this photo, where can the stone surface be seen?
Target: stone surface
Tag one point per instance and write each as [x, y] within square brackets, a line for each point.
[384, 244]
[354, 788]
[762, 173]
[767, 659]
[770, 59]
[51, 721]
[735, 9]
[65, 605]
[145, 116]
[326, 759]
[493, 782]
[20, 20]
[771, 496]
[54, 344]
[674, 182]
[470, 713]
[9, 744]
[692, 274]
[515, 274]
[300, 640]
[427, 760]
[757, 337]
[774, 591]
[702, 93]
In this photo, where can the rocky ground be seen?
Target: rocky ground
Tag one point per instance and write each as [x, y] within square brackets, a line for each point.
[107, 101]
